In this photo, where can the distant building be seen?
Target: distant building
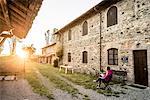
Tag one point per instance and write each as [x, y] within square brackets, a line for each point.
[114, 33]
[49, 52]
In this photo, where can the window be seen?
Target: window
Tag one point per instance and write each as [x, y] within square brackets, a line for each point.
[112, 16]
[85, 28]
[69, 57]
[69, 35]
[113, 56]
[84, 57]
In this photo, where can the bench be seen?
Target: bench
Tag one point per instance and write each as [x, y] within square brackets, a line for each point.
[66, 68]
[120, 76]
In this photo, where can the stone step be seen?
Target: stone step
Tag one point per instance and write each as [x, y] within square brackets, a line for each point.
[139, 86]
[135, 86]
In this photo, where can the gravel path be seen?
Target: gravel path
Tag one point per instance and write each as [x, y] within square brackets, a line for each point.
[21, 90]
[130, 93]
[17, 90]
[93, 95]
[58, 94]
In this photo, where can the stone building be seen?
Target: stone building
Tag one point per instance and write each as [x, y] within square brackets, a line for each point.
[49, 52]
[113, 33]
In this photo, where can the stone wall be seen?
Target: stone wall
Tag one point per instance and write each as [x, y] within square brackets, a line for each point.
[79, 43]
[133, 28]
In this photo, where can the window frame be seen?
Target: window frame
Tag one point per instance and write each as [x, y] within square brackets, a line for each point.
[69, 57]
[69, 35]
[112, 16]
[85, 57]
[85, 28]
[114, 55]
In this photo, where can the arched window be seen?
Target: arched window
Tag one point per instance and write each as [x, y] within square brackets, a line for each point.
[84, 57]
[69, 35]
[112, 16]
[113, 56]
[85, 28]
[69, 57]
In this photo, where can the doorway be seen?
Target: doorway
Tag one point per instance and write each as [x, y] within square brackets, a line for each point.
[140, 67]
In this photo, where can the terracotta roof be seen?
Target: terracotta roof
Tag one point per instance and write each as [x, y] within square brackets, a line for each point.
[49, 45]
[18, 15]
[99, 7]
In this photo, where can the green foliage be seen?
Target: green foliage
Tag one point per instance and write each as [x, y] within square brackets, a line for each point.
[59, 53]
[81, 79]
[59, 50]
[56, 63]
[30, 50]
[37, 86]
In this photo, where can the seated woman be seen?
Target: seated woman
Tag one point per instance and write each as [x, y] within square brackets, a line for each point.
[105, 78]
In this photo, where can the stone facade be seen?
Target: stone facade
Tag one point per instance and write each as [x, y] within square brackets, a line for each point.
[49, 52]
[131, 33]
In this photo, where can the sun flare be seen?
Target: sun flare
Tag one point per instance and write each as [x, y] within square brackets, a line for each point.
[21, 53]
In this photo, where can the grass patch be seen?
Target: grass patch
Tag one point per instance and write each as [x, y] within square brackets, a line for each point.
[81, 79]
[51, 73]
[87, 81]
[37, 86]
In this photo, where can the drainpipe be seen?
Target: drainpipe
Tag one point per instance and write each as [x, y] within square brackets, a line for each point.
[100, 40]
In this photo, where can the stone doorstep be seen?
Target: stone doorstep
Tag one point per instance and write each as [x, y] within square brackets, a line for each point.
[8, 78]
[136, 87]
[139, 86]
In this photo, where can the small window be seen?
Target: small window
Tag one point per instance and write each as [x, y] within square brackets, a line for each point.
[69, 35]
[85, 28]
[84, 57]
[113, 56]
[112, 16]
[69, 57]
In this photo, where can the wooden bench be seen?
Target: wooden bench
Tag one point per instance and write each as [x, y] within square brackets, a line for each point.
[66, 68]
[120, 76]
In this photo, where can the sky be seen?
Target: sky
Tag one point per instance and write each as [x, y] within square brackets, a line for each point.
[52, 14]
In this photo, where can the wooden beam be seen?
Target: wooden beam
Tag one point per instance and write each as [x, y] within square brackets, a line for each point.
[2, 41]
[16, 16]
[17, 27]
[15, 21]
[19, 34]
[5, 11]
[20, 5]
[2, 18]
[32, 8]
[6, 35]
[17, 11]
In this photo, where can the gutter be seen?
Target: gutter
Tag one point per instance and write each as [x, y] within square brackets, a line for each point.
[100, 36]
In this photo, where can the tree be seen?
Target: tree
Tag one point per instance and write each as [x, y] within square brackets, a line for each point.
[30, 50]
[59, 50]
[1, 49]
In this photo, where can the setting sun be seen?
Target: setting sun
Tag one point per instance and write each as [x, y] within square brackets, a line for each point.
[21, 53]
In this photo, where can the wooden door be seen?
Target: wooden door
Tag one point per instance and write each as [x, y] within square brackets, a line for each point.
[140, 67]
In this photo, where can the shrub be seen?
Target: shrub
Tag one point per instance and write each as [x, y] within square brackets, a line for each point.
[56, 63]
